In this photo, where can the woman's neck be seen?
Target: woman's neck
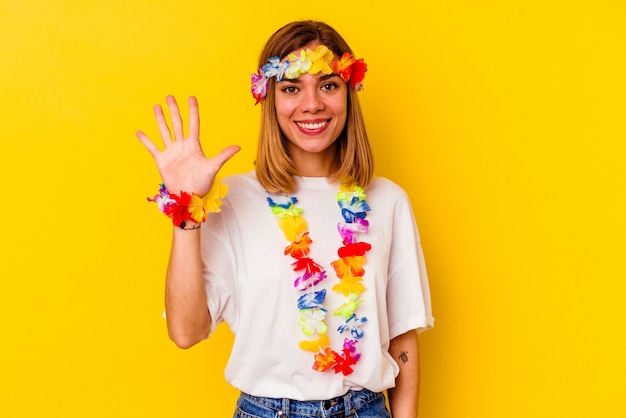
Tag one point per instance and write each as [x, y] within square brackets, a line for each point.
[322, 164]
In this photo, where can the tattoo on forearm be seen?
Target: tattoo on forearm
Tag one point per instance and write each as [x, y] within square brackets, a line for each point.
[403, 356]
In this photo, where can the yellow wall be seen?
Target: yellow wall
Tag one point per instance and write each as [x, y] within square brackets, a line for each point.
[503, 120]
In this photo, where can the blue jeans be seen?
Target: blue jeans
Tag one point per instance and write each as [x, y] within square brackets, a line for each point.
[354, 404]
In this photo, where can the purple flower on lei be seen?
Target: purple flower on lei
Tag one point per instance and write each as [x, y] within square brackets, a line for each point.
[309, 279]
[350, 345]
[348, 231]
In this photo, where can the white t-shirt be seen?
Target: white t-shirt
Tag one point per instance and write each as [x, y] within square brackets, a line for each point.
[249, 285]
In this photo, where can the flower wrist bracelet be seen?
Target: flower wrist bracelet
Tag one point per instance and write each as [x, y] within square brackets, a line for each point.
[185, 207]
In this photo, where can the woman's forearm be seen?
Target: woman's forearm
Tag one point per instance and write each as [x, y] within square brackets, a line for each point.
[403, 398]
[187, 313]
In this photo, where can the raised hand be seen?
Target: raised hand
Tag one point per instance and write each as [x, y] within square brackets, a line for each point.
[182, 164]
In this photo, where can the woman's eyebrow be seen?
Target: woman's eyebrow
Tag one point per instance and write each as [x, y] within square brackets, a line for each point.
[297, 80]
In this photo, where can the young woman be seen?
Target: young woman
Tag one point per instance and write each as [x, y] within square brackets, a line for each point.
[315, 265]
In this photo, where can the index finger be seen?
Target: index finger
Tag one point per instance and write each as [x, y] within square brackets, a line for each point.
[152, 149]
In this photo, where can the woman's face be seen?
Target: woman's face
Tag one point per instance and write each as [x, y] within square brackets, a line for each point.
[311, 112]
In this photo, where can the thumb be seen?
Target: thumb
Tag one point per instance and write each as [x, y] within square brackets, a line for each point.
[226, 154]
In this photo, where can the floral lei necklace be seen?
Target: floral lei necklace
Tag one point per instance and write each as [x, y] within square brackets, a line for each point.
[348, 268]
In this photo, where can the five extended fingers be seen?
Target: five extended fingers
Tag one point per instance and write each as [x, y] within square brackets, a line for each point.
[177, 128]
[177, 124]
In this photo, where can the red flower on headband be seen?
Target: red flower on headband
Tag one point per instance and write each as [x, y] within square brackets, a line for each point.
[358, 72]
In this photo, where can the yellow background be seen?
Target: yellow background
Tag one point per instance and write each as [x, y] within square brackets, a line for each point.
[504, 121]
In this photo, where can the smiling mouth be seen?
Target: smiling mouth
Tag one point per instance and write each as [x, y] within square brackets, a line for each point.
[312, 127]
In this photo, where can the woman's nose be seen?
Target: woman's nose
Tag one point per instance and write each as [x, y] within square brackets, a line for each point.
[312, 101]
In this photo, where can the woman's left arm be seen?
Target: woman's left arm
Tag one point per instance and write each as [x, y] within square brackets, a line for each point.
[403, 398]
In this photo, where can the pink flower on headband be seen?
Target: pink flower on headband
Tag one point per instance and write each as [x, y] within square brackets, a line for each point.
[259, 87]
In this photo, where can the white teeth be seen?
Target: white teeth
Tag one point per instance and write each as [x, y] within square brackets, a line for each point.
[312, 125]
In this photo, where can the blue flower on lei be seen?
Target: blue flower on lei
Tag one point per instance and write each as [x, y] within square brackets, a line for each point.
[353, 324]
[312, 300]
[355, 209]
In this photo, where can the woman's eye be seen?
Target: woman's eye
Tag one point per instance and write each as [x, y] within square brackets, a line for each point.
[290, 89]
[329, 86]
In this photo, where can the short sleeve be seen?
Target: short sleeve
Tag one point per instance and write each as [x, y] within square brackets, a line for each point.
[408, 292]
[218, 272]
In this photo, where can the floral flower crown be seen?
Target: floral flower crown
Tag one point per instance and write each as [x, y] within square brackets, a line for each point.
[312, 62]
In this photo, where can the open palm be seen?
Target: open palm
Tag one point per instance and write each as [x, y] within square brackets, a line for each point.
[182, 164]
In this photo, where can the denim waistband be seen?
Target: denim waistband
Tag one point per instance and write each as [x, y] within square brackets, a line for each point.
[339, 406]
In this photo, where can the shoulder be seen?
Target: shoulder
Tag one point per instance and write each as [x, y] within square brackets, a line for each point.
[242, 180]
[243, 184]
[390, 198]
[244, 198]
[385, 188]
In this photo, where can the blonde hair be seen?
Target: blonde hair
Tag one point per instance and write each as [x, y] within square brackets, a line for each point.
[274, 167]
